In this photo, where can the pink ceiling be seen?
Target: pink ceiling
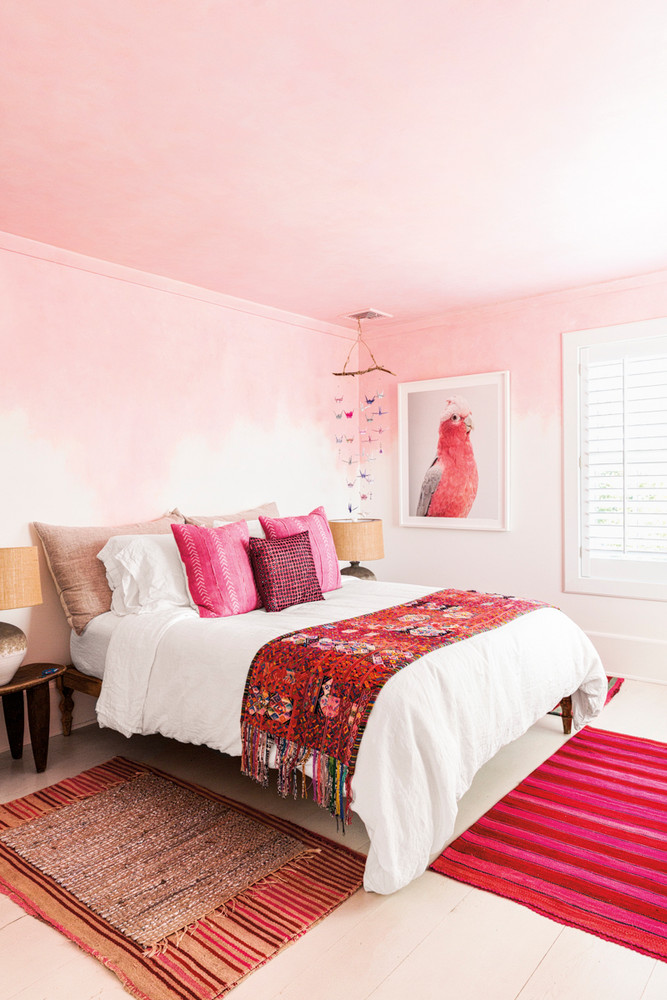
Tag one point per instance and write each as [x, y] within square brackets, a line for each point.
[321, 156]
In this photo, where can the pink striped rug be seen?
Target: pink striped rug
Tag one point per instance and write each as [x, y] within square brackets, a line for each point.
[212, 954]
[583, 840]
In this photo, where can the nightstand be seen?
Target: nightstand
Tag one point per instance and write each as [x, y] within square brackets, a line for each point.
[33, 678]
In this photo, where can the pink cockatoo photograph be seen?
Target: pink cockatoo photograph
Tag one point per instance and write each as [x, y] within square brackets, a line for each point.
[450, 484]
[454, 452]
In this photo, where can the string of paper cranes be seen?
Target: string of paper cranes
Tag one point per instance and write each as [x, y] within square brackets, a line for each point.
[367, 411]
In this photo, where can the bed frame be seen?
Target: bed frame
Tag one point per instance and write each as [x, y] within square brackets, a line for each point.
[73, 680]
[69, 682]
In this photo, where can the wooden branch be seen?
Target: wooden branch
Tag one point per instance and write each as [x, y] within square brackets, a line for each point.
[373, 368]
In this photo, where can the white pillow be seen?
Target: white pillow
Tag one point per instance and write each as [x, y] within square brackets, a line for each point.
[124, 590]
[147, 572]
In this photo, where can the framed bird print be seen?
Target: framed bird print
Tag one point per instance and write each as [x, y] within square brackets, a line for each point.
[454, 452]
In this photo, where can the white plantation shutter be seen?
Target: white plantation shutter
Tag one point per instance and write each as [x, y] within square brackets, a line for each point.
[623, 460]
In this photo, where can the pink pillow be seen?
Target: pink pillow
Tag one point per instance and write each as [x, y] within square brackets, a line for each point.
[218, 568]
[321, 542]
[285, 571]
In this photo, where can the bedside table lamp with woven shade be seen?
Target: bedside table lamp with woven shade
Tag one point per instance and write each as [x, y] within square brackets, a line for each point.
[19, 588]
[357, 540]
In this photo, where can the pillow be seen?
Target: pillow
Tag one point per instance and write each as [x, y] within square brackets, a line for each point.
[124, 590]
[208, 521]
[218, 568]
[285, 571]
[71, 555]
[321, 542]
[145, 574]
[255, 529]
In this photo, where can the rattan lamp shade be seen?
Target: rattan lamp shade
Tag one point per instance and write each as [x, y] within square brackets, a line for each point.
[19, 588]
[357, 540]
[19, 578]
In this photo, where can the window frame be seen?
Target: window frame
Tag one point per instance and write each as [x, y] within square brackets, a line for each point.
[573, 342]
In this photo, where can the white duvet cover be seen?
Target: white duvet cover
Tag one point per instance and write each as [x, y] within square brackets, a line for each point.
[434, 724]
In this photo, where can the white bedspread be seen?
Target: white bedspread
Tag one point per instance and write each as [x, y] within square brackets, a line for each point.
[434, 724]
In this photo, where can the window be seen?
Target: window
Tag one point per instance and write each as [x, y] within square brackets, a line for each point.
[615, 455]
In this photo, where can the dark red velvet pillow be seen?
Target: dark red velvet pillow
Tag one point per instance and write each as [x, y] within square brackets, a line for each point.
[284, 571]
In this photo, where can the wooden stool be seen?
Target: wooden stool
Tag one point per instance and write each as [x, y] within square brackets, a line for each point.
[33, 678]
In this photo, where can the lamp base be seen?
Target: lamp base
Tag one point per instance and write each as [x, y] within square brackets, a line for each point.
[13, 647]
[361, 572]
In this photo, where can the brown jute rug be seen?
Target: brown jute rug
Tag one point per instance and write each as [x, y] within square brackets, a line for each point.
[178, 890]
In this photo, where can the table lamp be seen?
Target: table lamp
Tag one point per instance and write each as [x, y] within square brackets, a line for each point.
[357, 540]
[19, 588]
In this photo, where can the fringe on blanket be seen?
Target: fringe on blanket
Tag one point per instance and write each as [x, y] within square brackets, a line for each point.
[332, 780]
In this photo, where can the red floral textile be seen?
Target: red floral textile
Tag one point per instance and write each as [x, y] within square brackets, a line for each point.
[309, 693]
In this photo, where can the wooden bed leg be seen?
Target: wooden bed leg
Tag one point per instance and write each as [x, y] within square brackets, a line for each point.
[66, 705]
[69, 682]
[566, 708]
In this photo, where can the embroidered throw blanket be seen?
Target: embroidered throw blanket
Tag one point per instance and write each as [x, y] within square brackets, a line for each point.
[309, 693]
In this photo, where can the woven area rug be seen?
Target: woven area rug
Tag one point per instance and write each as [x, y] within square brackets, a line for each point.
[179, 891]
[582, 840]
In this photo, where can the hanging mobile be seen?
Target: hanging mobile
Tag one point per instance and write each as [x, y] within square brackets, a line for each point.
[360, 342]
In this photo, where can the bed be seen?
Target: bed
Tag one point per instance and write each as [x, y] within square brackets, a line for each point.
[172, 671]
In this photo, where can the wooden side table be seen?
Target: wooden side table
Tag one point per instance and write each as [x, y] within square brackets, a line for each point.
[33, 678]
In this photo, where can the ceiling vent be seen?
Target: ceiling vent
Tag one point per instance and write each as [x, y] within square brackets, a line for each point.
[368, 314]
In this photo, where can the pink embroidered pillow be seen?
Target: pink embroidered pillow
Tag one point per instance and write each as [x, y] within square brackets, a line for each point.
[321, 542]
[218, 568]
[284, 571]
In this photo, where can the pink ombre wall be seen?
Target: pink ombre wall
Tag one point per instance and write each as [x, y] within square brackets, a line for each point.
[523, 337]
[124, 395]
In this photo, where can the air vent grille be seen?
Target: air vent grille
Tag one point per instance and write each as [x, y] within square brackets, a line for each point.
[368, 314]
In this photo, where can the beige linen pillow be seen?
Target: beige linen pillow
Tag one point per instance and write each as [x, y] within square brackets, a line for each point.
[252, 514]
[79, 576]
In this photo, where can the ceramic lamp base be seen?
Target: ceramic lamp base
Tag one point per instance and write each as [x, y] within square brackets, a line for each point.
[13, 647]
[354, 569]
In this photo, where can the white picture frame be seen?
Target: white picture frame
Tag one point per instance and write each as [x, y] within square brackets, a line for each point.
[420, 406]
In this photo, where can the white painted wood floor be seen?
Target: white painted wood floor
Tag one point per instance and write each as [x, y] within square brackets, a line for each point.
[434, 939]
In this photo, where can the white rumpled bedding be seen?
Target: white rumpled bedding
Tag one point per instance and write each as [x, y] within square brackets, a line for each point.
[434, 724]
